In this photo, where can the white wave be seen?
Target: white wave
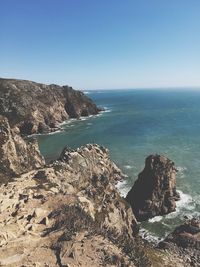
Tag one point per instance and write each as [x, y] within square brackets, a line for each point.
[123, 188]
[84, 118]
[86, 92]
[155, 219]
[50, 133]
[149, 236]
[55, 132]
[107, 110]
[181, 169]
[90, 116]
[186, 202]
[128, 166]
[99, 114]
[67, 122]
[87, 118]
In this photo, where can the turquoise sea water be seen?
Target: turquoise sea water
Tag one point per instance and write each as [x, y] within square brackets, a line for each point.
[138, 123]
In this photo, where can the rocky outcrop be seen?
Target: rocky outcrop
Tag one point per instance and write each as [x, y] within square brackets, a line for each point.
[154, 192]
[69, 213]
[185, 240]
[94, 175]
[16, 155]
[38, 108]
[186, 235]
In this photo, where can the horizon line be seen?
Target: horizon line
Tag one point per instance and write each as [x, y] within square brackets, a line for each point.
[146, 88]
[171, 87]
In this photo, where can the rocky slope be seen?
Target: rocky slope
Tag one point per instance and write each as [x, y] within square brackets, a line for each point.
[185, 241]
[37, 108]
[68, 214]
[16, 154]
[154, 192]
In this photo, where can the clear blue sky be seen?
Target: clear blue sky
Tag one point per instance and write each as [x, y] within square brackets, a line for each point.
[93, 44]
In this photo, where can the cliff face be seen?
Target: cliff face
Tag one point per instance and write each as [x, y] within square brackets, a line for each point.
[37, 108]
[154, 192]
[16, 154]
[69, 214]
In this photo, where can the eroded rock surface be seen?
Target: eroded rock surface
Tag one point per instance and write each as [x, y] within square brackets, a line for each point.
[185, 240]
[154, 192]
[68, 214]
[39, 108]
[16, 154]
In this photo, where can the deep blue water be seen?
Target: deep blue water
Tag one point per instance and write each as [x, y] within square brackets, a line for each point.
[138, 123]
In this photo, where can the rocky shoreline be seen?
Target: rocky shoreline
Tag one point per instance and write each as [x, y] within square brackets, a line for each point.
[32, 107]
[69, 212]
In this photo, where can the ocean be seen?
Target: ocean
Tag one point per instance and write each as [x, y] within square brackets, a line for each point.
[135, 124]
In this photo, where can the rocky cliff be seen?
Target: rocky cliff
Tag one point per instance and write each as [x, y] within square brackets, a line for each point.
[69, 214]
[154, 192]
[37, 108]
[16, 154]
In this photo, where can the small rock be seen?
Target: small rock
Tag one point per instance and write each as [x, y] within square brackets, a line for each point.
[38, 212]
[45, 221]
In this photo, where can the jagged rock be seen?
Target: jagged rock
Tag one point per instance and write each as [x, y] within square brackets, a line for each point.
[38, 212]
[185, 242]
[38, 108]
[16, 154]
[154, 192]
[84, 222]
[94, 175]
[186, 235]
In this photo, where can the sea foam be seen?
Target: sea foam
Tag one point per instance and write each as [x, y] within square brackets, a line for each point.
[185, 203]
[123, 188]
[128, 166]
[155, 219]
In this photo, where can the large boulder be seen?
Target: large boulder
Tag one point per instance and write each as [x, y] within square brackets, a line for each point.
[154, 192]
[39, 108]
